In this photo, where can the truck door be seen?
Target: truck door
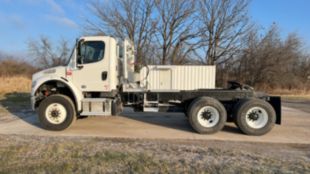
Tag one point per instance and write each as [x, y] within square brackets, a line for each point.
[91, 73]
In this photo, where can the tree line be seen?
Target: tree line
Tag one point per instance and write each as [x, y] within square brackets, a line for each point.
[14, 66]
[206, 32]
[270, 62]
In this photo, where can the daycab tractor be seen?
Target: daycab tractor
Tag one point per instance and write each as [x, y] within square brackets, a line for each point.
[100, 79]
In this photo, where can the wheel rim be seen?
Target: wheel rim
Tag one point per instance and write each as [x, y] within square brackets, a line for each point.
[56, 113]
[208, 116]
[256, 117]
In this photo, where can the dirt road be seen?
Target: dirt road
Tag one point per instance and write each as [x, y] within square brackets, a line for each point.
[295, 127]
[300, 104]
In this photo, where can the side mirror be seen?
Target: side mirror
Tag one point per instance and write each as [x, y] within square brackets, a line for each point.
[79, 53]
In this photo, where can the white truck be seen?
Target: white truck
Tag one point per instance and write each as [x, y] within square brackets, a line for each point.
[100, 79]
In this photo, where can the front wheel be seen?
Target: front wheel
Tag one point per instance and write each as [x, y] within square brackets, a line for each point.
[207, 115]
[254, 116]
[57, 112]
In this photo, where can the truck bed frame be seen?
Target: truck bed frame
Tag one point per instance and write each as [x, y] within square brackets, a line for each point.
[174, 101]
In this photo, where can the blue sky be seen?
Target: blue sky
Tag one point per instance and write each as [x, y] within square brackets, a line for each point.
[23, 20]
[290, 15]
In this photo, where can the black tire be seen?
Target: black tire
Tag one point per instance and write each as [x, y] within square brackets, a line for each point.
[198, 104]
[63, 100]
[186, 108]
[240, 114]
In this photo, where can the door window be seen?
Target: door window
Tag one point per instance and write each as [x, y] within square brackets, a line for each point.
[90, 52]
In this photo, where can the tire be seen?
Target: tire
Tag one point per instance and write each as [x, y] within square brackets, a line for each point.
[207, 115]
[186, 108]
[57, 112]
[254, 116]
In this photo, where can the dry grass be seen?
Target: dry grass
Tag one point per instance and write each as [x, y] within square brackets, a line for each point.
[24, 154]
[294, 94]
[15, 84]
[299, 92]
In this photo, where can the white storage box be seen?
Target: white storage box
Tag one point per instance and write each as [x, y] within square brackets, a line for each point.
[178, 77]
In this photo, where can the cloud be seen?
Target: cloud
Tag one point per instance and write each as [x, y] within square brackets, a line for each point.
[58, 15]
[55, 7]
[62, 20]
[13, 20]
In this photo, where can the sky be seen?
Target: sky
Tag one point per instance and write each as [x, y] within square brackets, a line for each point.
[25, 20]
[292, 16]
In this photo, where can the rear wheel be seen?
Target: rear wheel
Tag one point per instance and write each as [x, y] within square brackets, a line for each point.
[254, 116]
[57, 112]
[207, 115]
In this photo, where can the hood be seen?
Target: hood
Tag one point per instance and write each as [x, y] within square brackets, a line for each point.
[55, 71]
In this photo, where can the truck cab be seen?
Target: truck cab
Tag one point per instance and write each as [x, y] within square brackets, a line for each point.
[92, 71]
[93, 66]
[100, 79]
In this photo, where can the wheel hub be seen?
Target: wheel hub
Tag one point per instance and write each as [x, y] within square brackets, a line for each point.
[206, 115]
[55, 113]
[253, 116]
[256, 117]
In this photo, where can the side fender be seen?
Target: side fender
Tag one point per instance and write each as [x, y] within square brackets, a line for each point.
[76, 92]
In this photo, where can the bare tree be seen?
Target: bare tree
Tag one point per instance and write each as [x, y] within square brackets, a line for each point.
[267, 61]
[46, 55]
[223, 23]
[130, 19]
[175, 30]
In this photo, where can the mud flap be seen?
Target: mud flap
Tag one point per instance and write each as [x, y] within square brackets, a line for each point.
[275, 102]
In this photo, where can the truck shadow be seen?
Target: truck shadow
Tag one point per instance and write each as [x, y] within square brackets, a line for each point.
[176, 121]
[17, 106]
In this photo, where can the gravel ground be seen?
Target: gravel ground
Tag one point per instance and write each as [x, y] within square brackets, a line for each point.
[297, 103]
[37, 154]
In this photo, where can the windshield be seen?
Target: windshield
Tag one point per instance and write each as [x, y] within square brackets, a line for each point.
[71, 60]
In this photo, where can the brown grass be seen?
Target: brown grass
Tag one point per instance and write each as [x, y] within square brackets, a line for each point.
[15, 84]
[39, 154]
[300, 92]
[291, 94]
[57, 154]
